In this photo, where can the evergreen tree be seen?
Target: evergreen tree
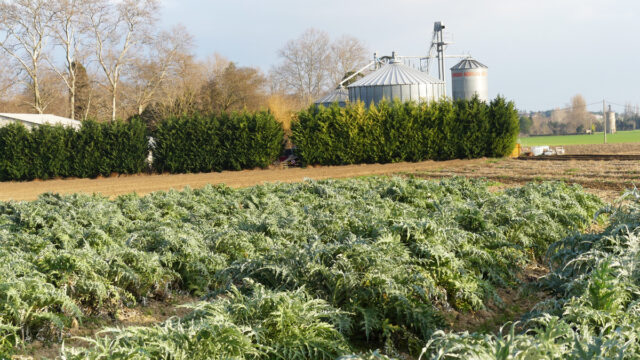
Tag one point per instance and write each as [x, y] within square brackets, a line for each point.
[83, 91]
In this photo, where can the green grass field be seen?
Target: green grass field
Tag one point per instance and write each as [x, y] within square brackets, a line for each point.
[597, 138]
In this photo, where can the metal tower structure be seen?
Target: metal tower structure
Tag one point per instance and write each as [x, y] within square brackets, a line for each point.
[438, 45]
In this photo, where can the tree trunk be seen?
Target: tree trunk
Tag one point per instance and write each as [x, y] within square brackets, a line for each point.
[72, 104]
[36, 96]
[113, 104]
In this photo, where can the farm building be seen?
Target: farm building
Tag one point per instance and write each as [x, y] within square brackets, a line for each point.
[339, 95]
[33, 120]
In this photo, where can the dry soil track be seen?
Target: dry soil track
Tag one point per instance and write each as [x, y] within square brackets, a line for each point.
[144, 184]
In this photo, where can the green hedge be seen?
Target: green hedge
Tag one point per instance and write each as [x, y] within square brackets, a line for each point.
[54, 151]
[390, 132]
[203, 143]
[393, 132]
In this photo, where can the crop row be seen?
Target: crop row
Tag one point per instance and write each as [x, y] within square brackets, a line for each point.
[595, 313]
[307, 270]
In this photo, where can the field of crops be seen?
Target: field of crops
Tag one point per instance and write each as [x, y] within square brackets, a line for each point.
[620, 137]
[321, 270]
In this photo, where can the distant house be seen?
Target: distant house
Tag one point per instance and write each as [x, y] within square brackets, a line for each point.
[33, 120]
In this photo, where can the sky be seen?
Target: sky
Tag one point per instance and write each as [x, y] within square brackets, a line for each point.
[540, 53]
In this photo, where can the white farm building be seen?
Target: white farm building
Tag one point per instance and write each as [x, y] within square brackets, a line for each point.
[33, 120]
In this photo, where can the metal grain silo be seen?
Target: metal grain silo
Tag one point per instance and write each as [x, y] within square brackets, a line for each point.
[469, 77]
[339, 95]
[396, 80]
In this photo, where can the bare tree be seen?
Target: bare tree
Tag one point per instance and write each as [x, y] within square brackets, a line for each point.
[312, 64]
[578, 118]
[165, 59]
[66, 27]
[7, 77]
[540, 125]
[234, 88]
[215, 65]
[348, 55]
[24, 39]
[116, 31]
[304, 66]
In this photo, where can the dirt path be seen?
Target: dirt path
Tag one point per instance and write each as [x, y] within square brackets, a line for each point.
[144, 184]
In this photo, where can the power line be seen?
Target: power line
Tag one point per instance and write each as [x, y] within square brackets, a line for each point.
[587, 105]
[613, 103]
[568, 107]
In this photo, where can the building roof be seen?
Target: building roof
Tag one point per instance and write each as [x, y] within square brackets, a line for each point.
[41, 119]
[396, 73]
[339, 95]
[469, 63]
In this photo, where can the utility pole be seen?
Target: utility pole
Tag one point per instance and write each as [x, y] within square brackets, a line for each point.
[604, 116]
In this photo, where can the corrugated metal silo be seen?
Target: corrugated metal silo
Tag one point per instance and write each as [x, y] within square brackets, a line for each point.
[396, 80]
[340, 95]
[469, 77]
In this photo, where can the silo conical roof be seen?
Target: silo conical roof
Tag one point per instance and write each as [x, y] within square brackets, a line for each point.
[340, 95]
[469, 63]
[395, 73]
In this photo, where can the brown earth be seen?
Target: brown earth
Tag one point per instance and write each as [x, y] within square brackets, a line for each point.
[516, 302]
[144, 183]
[607, 179]
[152, 313]
[621, 149]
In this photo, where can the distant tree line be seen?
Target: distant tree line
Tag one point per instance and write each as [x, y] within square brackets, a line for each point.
[575, 119]
[104, 59]
[629, 119]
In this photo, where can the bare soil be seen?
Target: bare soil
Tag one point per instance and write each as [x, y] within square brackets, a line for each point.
[621, 149]
[143, 183]
[154, 312]
[516, 302]
[607, 179]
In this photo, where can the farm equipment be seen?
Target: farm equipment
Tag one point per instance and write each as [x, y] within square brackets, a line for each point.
[542, 151]
[288, 159]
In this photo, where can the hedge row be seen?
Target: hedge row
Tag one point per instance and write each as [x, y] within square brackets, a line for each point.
[195, 144]
[390, 132]
[217, 142]
[54, 151]
[393, 132]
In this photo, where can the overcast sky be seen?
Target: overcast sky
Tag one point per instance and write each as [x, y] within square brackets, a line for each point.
[539, 52]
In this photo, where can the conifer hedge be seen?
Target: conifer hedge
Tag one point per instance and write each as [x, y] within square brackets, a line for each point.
[216, 142]
[46, 151]
[393, 132]
[390, 132]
